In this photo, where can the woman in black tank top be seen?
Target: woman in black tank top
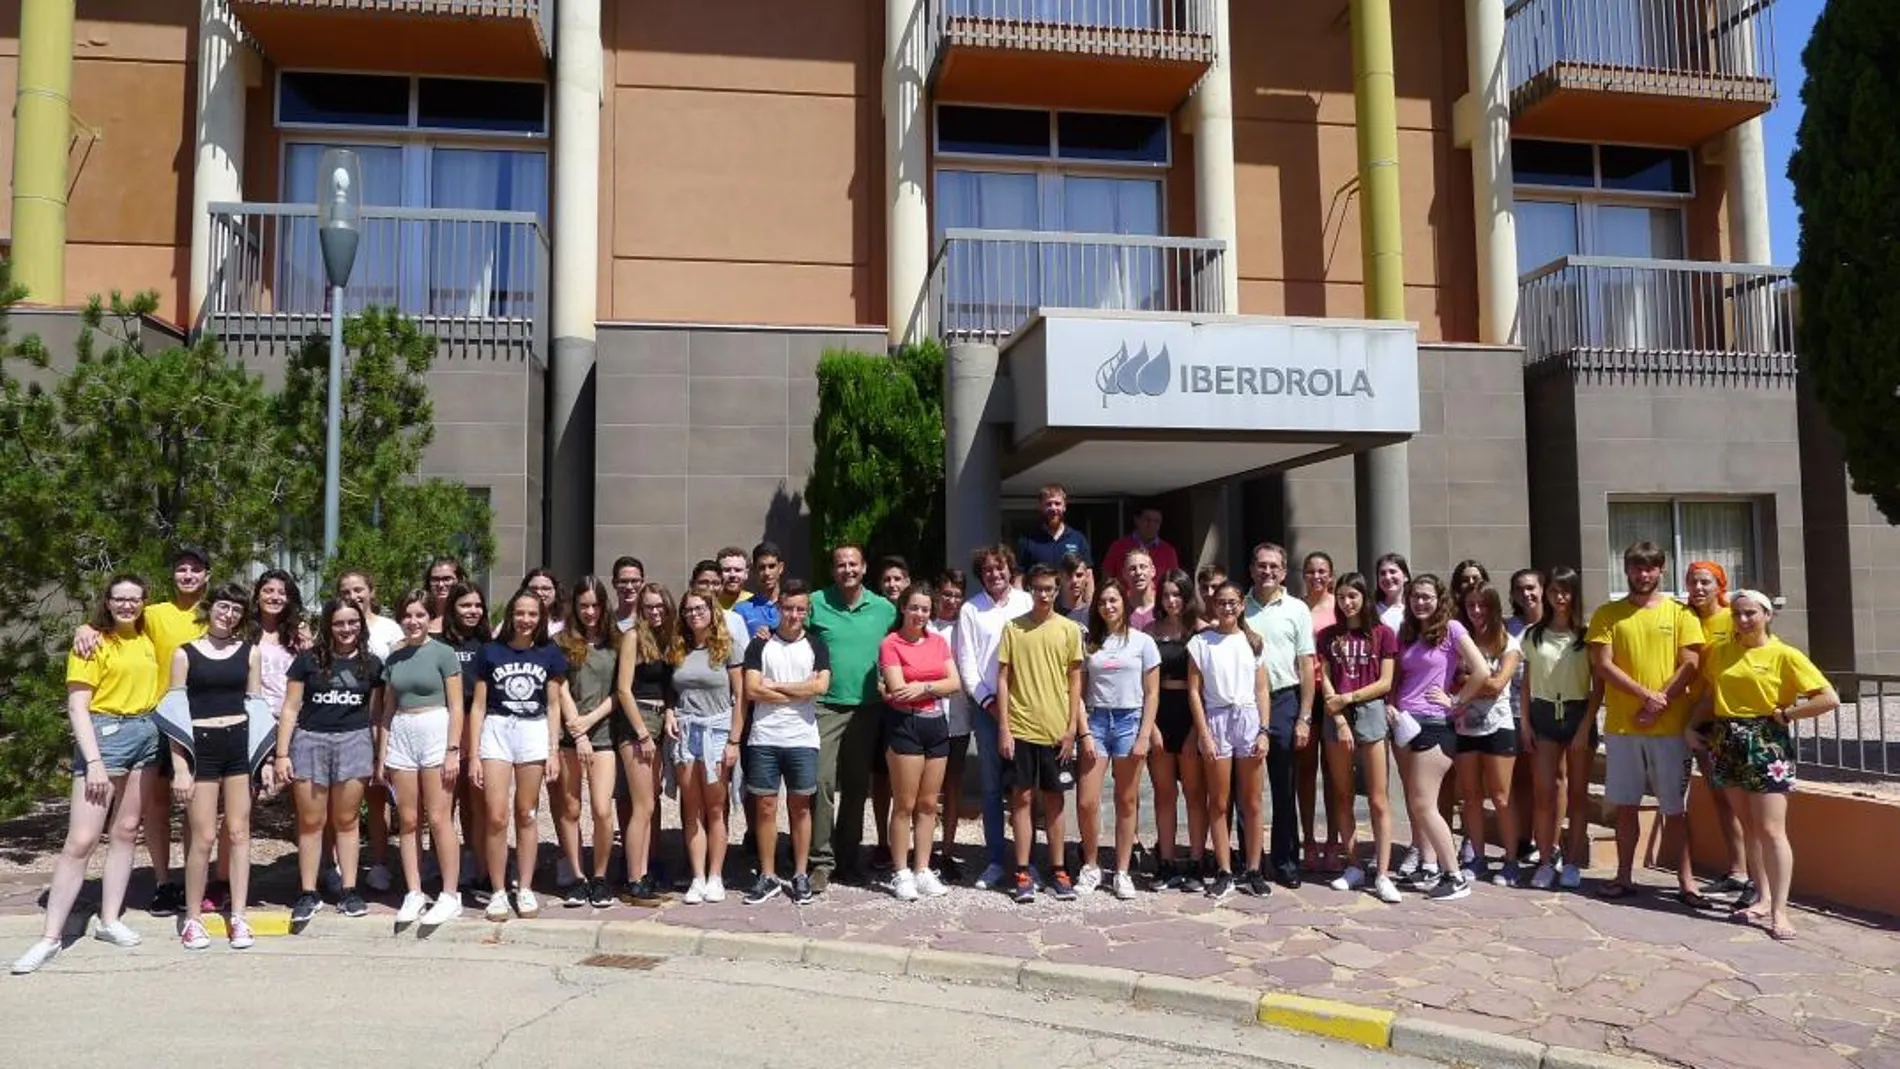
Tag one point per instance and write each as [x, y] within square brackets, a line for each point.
[1173, 759]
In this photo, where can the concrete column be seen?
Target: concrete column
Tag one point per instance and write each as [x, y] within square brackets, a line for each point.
[907, 240]
[1212, 111]
[218, 171]
[1746, 167]
[1491, 178]
[1214, 527]
[569, 534]
[42, 117]
[1382, 475]
[972, 451]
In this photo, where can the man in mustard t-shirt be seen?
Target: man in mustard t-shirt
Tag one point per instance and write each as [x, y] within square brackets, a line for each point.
[1645, 648]
[1038, 708]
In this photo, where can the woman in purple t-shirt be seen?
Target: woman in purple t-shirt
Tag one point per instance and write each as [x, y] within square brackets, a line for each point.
[1357, 656]
[1432, 647]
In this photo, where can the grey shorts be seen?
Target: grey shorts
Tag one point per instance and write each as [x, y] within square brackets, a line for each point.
[1368, 721]
[1652, 764]
[324, 757]
[125, 743]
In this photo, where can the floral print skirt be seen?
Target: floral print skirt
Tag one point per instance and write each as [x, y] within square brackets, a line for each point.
[1755, 754]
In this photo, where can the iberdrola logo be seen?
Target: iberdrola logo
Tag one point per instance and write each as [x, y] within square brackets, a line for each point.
[1140, 375]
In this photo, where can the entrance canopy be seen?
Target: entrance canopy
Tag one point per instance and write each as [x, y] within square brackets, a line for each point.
[1143, 403]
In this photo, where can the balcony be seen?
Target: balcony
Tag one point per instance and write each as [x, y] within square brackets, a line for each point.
[1111, 55]
[477, 280]
[482, 38]
[1651, 72]
[984, 284]
[1607, 314]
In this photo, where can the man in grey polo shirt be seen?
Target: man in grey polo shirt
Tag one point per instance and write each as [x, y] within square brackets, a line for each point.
[1285, 626]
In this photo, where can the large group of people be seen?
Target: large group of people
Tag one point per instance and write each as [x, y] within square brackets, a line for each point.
[1238, 699]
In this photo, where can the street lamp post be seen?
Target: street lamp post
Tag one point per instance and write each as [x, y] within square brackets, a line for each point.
[339, 192]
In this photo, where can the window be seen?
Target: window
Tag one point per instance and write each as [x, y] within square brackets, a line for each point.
[1722, 530]
[396, 101]
[1611, 168]
[965, 130]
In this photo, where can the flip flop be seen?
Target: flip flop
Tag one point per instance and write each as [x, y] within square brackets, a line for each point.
[1694, 900]
[1782, 934]
[1615, 891]
[1746, 916]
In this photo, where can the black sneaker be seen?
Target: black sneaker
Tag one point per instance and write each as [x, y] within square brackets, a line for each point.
[307, 906]
[1288, 875]
[1256, 883]
[1164, 877]
[1222, 888]
[1749, 898]
[574, 895]
[352, 904]
[168, 899]
[1727, 885]
[949, 868]
[801, 889]
[599, 895]
[765, 890]
[1190, 880]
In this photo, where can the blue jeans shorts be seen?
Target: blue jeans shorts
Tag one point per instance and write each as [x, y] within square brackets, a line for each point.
[125, 743]
[703, 741]
[766, 767]
[1114, 730]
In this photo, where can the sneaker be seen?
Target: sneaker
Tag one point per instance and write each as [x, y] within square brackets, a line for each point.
[696, 892]
[930, 886]
[193, 936]
[448, 906]
[118, 934]
[36, 955]
[168, 899]
[564, 874]
[801, 889]
[1222, 888]
[526, 904]
[1528, 855]
[215, 895]
[1124, 886]
[820, 880]
[1350, 880]
[574, 894]
[992, 878]
[1062, 889]
[599, 895]
[331, 882]
[1543, 877]
[1408, 865]
[352, 904]
[1452, 888]
[307, 906]
[1382, 886]
[1508, 875]
[904, 886]
[1025, 887]
[1255, 883]
[950, 867]
[497, 907]
[1570, 879]
[1424, 878]
[1191, 881]
[240, 929]
[1467, 854]
[1749, 898]
[378, 879]
[412, 906]
[1088, 879]
[1289, 875]
[715, 889]
[1727, 885]
[1166, 876]
[765, 890]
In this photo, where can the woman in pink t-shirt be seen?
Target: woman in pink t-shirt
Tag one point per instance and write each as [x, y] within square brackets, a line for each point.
[918, 671]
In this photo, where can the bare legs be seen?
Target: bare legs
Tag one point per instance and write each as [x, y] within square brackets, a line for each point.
[915, 782]
[497, 776]
[85, 825]
[643, 777]
[202, 819]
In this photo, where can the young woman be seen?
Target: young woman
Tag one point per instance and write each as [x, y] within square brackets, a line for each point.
[704, 727]
[326, 750]
[643, 683]
[216, 673]
[1468, 574]
[546, 587]
[109, 700]
[1122, 686]
[1432, 648]
[587, 741]
[1527, 607]
[1392, 574]
[1228, 695]
[1316, 574]
[520, 683]
[1357, 660]
[274, 624]
[919, 672]
[1138, 584]
[440, 582]
[1757, 686]
[465, 631]
[1559, 704]
[1174, 757]
[421, 756]
[1487, 733]
[1706, 584]
[959, 714]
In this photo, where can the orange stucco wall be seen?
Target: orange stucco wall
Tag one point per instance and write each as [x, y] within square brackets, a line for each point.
[1831, 829]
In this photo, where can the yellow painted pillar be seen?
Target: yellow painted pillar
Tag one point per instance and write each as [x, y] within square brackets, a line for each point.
[42, 128]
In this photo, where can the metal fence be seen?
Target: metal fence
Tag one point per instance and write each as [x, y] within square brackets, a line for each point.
[518, 9]
[987, 283]
[1668, 47]
[1155, 29]
[1861, 740]
[1612, 312]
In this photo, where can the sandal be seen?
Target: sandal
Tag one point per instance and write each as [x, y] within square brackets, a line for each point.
[1615, 890]
[1781, 934]
[1747, 916]
[1694, 900]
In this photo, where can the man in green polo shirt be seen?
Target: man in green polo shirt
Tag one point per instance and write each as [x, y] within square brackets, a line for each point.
[851, 621]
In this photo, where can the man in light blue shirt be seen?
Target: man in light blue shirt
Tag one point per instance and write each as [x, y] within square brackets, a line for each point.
[1285, 626]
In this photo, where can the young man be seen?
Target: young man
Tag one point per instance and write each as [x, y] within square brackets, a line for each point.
[1645, 648]
[893, 576]
[851, 621]
[785, 672]
[630, 577]
[980, 626]
[1147, 535]
[760, 611]
[1039, 694]
[1285, 626]
[1208, 579]
[1054, 539]
[1078, 588]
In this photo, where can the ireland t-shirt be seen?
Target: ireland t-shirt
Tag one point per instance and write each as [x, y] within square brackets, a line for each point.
[518, 679]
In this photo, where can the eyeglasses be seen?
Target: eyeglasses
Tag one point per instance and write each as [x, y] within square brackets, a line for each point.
[229, 608]
[695, 610]
[135, 600]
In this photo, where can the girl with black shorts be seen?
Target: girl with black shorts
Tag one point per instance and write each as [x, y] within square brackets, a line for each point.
[1559, 710]
[1173, 758]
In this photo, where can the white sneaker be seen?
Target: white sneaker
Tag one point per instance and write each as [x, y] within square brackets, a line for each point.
[992, 879]
[930, 886]
[1570, 879]
[1543, 877]
[695, 892]
[715, 889]
[563, 873]
[1088, 880]
[1467, 855]
[413, 904]
[1350, 880]
[1409, 864]
[526, 904]
[331, 881]
[117, 934]
[497, 906]
[1124, 886]
[904, 885]
[448, 906]
[378, 879]
[36, 955]
[1382, 886]
[193, 936]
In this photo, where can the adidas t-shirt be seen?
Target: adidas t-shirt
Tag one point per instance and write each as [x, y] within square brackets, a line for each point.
[339, 698]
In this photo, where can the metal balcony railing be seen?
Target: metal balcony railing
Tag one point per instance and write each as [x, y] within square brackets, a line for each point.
[1722, 49]
[1180, 30]
[1612, 314]
[984, 284]
[467, 275]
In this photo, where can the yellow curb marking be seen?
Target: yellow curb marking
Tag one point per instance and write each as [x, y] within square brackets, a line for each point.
[1324, 1017]
[271, 923]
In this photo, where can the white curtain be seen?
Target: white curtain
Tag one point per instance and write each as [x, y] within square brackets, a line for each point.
[483, 269]
[988, 282]
[1638, 521]
[1723, 532]
[301, 283]
[1110, 276]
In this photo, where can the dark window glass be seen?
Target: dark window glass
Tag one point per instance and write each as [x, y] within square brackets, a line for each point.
[993, 131]
[1552, 163]
[493, 107]
[1645, 170]
[344, 99]
[1120, 138]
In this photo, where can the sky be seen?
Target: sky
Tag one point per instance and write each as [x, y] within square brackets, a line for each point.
[1794, 19]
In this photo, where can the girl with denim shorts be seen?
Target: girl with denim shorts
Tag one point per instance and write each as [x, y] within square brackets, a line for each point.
[704, 727]
[1122, 686]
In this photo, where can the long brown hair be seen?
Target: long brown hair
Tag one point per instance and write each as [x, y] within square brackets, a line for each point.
[1240, 619]
[102, 620]
[571, 639]
[1492, 638]
[1433, 629]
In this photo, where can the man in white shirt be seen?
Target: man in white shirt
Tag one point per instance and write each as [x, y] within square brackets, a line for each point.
[785, 672]
[980, 626]
[1285, 626]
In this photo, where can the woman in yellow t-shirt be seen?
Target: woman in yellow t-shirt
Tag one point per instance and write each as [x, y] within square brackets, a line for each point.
[109, 700]
[1705, 583]
[1754, 687]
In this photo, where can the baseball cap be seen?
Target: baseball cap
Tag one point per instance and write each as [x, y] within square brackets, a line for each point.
[193, 552]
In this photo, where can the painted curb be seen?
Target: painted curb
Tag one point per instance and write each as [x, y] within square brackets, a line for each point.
[1452, 1043]
[1324, 1017]
[271, 922]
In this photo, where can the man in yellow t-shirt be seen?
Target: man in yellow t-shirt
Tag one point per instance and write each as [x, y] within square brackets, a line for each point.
[1038, 708]
[1644, 647]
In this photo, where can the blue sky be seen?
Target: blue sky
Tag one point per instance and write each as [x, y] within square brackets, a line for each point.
[1794, 19]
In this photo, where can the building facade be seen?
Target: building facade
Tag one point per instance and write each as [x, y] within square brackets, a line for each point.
[636, 225]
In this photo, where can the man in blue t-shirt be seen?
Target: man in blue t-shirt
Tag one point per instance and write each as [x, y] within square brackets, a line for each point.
[1055, 539]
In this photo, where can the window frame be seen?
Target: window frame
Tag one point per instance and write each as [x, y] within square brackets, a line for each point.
[1618, 585]
[1596, 186]
[1046, 175]
[1055, 157]
[1588, 202]
[412, 125]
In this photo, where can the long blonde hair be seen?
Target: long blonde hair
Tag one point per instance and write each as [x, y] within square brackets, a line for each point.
[643, 643]
[718, 641]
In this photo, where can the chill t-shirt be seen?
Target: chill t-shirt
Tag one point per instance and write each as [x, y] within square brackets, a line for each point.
[1115, 672]
[1353, 660]
[336, 699]
[518, 679]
